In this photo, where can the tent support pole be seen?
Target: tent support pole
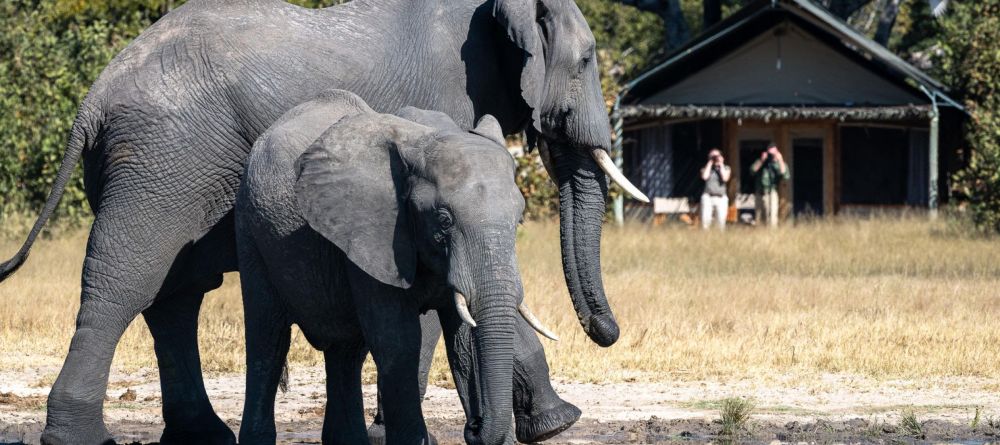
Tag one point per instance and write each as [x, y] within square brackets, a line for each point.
[932, 157]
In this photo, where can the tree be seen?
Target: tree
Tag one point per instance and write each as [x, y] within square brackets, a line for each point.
[968, 59]
[676, 28]
[886, 21]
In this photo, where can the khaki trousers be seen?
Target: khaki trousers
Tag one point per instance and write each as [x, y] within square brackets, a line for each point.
[767, 208]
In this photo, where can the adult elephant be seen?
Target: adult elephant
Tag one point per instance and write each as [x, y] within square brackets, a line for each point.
[165, 130]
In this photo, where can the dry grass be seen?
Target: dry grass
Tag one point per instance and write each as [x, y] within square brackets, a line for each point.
[886, 298]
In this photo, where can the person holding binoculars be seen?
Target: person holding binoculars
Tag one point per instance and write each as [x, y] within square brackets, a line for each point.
[714, 200]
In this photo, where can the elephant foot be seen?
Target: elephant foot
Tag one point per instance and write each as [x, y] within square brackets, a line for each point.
[72, 436]
[376, 435]
[546, 424]
[218, 434]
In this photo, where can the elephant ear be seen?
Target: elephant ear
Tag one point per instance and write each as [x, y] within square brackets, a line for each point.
[350, 187]
[489, 128]
[520, 20]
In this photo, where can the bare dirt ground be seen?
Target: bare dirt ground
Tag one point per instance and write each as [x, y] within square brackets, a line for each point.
[823, 408]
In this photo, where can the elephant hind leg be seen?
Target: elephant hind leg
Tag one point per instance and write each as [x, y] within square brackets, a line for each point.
[268, 337]
[187, 412]
[128, 256]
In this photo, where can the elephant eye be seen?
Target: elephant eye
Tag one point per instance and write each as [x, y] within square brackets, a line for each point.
[444, 219]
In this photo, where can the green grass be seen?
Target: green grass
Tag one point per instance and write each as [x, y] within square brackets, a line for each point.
[735, 414]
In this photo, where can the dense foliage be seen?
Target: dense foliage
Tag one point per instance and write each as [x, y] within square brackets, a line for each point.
[969, 53]
[51, 51]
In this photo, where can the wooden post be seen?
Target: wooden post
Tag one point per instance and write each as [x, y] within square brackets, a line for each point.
[829, 164]
[932, 166]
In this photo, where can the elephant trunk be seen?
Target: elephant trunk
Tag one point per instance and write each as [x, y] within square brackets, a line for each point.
[583, 189]
[494, 358]
[491, 277]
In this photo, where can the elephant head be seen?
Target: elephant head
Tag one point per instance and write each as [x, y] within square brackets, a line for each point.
[395, 195]
[559, 83]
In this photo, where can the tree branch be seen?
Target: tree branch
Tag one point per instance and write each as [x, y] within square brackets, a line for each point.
[677, 31]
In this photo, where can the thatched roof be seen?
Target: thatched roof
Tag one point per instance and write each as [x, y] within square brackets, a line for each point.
[772, 113]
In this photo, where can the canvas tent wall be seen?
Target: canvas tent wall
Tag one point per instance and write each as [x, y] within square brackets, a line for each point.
[784, 65]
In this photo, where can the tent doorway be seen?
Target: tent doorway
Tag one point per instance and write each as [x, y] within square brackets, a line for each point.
[807, 176]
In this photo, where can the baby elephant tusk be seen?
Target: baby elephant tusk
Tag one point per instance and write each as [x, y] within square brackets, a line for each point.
[537, 325]
[463, 309]
[606, 164]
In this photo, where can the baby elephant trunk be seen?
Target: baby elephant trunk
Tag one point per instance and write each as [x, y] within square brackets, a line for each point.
[494, 357]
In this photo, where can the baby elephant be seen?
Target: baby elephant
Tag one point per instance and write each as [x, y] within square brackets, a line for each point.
[353, 236]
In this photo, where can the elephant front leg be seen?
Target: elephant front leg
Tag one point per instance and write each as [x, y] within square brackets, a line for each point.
[344, 422]
[430, 334]
[539, 413]
[187, 412]
[390, 324]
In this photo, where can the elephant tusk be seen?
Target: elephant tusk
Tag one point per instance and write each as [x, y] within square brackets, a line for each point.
[537, 325]
[606, 164]
[463, 309]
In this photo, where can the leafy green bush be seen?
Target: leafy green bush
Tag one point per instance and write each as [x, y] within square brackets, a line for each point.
[50, 59]
[51, 51]
[970, 48]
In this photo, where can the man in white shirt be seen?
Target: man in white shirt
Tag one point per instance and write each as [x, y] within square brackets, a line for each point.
[714, 199]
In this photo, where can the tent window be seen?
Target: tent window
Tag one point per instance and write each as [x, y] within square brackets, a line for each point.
[664, 160]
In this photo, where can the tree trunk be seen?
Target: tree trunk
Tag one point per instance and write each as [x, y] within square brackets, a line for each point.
[711, 12]
[886, 21]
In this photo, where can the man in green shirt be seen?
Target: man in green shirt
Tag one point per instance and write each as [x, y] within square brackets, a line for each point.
[768, 172]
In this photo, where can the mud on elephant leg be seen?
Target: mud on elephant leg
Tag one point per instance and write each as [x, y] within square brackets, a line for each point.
[187, 411]
[430, 334]
[539, 413]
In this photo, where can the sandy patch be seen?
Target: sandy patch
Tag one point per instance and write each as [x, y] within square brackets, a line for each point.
[831, 406]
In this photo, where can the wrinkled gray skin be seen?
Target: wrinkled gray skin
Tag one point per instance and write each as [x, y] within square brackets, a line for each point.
[353, 236]
[165, 131]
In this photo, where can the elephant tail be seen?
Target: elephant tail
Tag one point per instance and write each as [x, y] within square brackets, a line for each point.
[78, 141]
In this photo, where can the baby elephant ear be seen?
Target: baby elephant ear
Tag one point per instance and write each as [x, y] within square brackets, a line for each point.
[350, 188]
[489, 128]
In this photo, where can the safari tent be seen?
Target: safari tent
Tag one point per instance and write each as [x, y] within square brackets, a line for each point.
[860, 128]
